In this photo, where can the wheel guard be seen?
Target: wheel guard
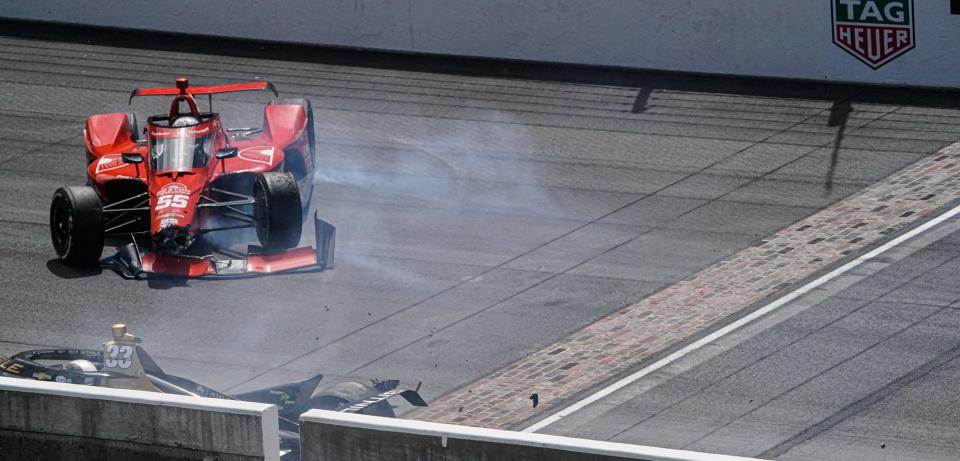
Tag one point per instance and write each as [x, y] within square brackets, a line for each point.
[131, 263]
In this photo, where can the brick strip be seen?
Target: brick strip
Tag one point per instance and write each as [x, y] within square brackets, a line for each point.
[616, 343]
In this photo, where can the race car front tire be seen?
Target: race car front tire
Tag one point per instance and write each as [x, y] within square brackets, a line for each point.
[277, 211]
[76, 225]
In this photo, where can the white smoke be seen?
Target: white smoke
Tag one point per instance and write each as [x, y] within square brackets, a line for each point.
[377, 166]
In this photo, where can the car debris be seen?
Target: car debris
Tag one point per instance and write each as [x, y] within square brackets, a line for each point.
[121, 363]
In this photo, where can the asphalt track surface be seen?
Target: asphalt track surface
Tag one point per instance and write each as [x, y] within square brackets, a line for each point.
[864, 367]
[479, 219]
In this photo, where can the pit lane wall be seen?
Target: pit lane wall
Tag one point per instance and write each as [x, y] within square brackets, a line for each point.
[333, 436]
[768, 38]
[48, 421]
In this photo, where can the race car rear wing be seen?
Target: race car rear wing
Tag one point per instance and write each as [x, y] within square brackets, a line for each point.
[183, 88]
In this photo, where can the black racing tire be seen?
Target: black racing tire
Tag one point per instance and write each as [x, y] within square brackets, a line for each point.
[276, 210]
[307, 194]
[76, 225]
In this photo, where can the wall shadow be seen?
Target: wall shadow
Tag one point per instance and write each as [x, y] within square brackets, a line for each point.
[839, 116]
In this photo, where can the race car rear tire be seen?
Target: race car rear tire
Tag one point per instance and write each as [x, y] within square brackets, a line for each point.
[277, 211]
[76, 225]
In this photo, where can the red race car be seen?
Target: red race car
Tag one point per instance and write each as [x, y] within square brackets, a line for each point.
[163, 198]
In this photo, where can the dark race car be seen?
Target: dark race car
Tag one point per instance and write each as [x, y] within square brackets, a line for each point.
[162, 196]
[123, 364]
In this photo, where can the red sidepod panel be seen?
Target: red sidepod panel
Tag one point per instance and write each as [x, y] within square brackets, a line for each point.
[107, 134]
[256, 155]
[284, 123]
[111, 166]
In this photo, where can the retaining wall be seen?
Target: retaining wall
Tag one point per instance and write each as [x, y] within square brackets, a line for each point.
[333, 436]
[771, 38]
[42, 421]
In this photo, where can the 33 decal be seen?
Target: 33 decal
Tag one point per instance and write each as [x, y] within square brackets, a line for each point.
[118, 356]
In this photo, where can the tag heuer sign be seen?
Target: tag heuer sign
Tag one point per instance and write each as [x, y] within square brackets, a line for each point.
[875, 31]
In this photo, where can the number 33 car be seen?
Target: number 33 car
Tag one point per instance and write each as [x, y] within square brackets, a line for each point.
[122, 364]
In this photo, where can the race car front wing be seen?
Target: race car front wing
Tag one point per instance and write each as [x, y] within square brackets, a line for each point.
[130, 262]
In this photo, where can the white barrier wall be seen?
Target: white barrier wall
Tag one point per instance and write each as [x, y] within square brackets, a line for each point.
[334, 436]
[774, 38]
[43, 421]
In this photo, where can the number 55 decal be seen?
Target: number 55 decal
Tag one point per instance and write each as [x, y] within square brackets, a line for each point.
[174, 200]
[118, 356]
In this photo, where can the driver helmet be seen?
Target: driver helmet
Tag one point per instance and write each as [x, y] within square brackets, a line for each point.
[79, 366]
[83, 366]
[184, 121]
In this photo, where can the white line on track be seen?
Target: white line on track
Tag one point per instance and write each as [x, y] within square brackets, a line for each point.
[741, 322]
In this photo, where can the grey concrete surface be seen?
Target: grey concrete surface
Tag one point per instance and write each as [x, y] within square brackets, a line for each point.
[48, 421]
[479, 219]
[863, 368]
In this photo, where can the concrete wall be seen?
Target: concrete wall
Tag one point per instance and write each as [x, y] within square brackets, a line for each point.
[42, 421]
[331, 436]
[776, 38]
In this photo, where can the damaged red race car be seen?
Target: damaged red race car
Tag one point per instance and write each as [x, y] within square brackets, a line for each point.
[161, 198]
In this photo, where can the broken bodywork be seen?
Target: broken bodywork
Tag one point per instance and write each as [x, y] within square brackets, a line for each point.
[122, 364]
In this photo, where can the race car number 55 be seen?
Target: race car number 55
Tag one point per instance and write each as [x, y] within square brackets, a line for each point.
[118, 356]
[173, 200]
